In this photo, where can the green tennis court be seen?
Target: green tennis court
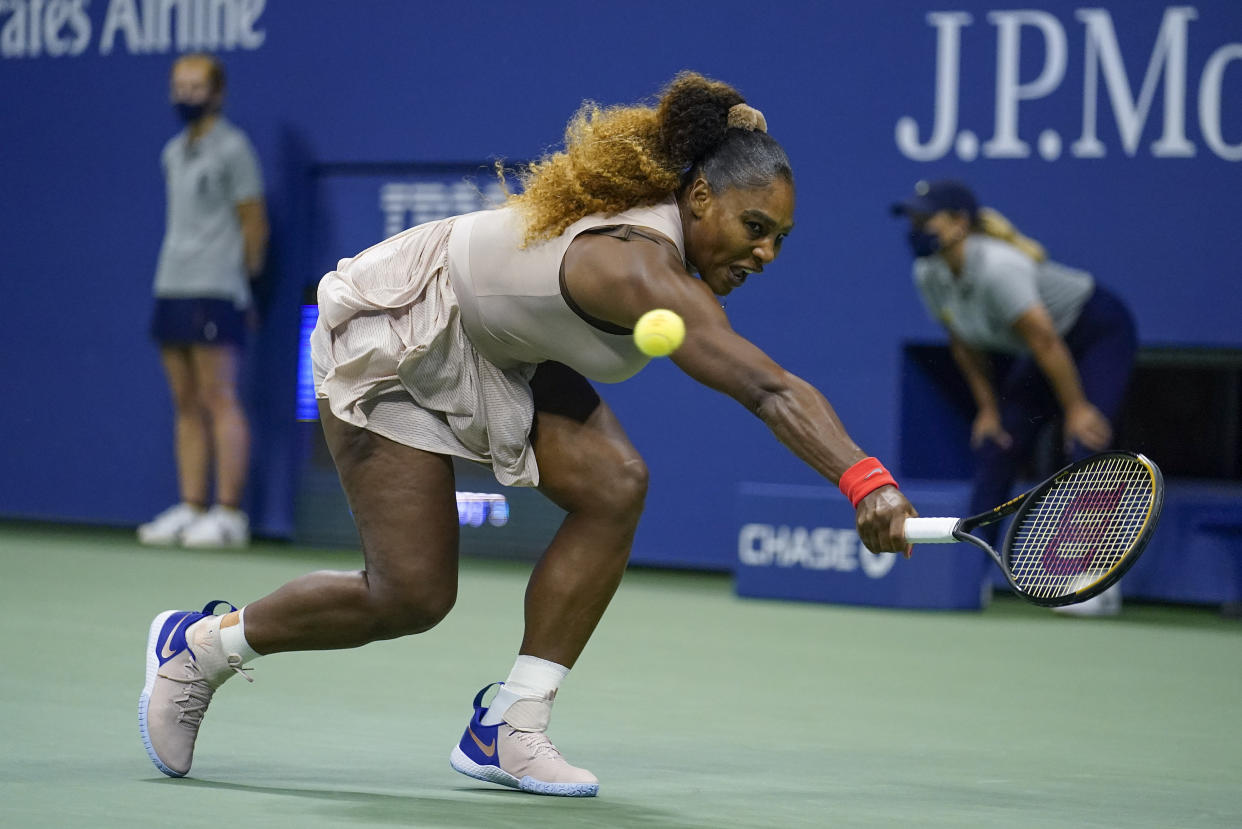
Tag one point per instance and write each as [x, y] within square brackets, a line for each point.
[694, 708]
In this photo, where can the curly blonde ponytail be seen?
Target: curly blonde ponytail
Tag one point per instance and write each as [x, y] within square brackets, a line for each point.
[612, 161]
[618, 158]
[994, 224]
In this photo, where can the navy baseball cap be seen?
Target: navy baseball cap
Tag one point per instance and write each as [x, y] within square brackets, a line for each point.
[933, 196]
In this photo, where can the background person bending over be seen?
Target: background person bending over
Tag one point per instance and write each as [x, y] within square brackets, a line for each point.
[995, 291]
[473, 337]
[215, 241]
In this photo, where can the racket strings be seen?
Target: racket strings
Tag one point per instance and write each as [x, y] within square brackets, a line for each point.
[1080, 529]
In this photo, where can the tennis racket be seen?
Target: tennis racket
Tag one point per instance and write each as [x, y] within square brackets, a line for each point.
[1073, 536]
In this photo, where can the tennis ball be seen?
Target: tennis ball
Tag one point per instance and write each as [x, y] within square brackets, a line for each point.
[659, 333]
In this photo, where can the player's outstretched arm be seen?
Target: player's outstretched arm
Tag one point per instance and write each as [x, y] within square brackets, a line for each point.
[626, 282]
[798, 415]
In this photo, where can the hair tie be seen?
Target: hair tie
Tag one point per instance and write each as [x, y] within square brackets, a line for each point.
[746, 117]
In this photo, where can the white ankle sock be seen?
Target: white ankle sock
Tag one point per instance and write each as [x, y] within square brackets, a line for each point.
[233, 639]
[531, 677]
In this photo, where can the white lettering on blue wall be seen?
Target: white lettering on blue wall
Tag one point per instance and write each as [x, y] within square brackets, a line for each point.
[817, 548]
[34, 28]
[1210, 100]
[59, 28]
[1168, 57]
[1103, 66]
[406, 204]
[1009, 89]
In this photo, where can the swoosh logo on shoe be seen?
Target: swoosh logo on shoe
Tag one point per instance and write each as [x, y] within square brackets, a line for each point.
[165, 651]
[488, 750]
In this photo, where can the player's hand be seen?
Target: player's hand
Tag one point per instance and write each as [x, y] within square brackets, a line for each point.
[881, 520]
[1087, 425]
[987, 427]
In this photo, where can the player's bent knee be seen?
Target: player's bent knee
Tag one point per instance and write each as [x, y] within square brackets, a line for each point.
[610, 484]
[411, 614]
[626, 491]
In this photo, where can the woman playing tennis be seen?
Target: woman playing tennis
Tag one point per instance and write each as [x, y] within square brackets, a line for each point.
[475, 337]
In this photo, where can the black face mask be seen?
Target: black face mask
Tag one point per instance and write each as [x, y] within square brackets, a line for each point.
[923, 243]
[189, 113]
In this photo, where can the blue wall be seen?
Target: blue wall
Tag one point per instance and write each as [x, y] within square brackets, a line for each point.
[85, 428]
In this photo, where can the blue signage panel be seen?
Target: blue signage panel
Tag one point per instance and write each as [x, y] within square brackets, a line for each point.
[1111, 132]
[799, 542]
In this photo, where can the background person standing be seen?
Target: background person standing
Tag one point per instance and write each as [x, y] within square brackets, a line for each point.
[214, 244]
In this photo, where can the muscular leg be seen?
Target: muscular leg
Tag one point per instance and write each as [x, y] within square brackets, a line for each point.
[190, 442]
[405, 507]
[588, 467]
[216, 369]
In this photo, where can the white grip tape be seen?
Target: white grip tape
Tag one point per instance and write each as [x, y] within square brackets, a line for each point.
[930, 530]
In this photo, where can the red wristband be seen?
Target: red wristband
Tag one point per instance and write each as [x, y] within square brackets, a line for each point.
[864, 478]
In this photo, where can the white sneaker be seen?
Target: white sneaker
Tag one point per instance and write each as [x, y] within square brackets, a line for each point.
[166, 528]
[516, 755]
[220, 526]
[1107, 603]
[180, 684]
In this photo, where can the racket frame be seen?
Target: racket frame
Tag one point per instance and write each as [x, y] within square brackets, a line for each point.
[1026, 500]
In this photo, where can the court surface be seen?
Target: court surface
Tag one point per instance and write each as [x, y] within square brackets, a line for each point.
[694, 708]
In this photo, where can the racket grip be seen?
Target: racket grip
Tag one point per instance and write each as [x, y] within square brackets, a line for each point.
[930, 530]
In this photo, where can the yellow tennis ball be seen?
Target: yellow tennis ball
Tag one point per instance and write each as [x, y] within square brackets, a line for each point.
[659, 333]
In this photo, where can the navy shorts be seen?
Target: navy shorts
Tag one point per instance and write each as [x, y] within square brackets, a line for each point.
[198, 322]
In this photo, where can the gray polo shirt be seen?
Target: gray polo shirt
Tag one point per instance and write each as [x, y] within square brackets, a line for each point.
[202, 251]
[998, 284]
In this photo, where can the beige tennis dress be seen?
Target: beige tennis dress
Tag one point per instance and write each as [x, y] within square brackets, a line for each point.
[430, 338]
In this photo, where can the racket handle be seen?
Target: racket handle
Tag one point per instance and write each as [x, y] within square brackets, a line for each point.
[930, 530]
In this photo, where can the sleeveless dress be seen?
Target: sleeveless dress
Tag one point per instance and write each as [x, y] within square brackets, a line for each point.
[430, 338]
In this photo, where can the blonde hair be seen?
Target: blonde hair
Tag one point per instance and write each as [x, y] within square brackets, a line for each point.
[621, 157]
[612, 161]
[215, 68]
[992, 223]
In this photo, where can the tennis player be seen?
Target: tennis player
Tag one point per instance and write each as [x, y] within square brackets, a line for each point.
[475, 337]
[996, 292]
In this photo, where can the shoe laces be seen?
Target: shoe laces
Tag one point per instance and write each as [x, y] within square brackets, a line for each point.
[193, 702]
[235, 665]
[537, 743]
[232, 661]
